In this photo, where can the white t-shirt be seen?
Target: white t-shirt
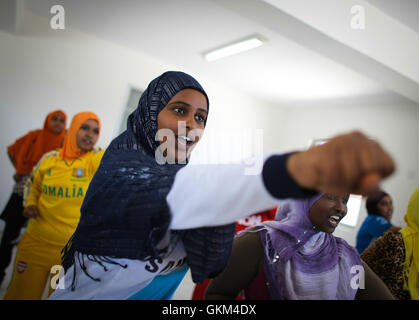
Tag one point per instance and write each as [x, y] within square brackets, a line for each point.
[230, 195]
[117, 282]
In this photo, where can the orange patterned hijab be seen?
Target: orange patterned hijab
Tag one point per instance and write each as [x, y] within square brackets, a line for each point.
[27, 150]
[70, 149]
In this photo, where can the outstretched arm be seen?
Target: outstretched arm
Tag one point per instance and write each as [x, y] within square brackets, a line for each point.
[211, 195]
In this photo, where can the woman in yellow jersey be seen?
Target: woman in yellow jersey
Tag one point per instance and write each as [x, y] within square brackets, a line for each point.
[53, 197]
[24, 154]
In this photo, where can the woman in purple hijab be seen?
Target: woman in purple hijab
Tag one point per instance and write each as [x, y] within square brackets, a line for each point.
[296, 256]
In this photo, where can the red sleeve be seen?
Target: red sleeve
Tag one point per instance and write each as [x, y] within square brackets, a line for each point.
[269, 215]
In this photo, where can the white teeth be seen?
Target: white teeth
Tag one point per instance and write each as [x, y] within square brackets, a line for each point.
[335, 217]
[186, 138]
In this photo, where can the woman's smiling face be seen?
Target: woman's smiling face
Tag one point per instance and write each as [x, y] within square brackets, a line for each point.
[87, 135]
[328, 211]
[181, 124]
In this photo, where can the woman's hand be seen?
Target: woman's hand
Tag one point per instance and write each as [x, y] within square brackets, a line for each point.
[348, 163]
[30, 212]
[17, 177]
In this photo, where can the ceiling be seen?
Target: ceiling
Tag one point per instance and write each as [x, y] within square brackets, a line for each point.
[405, 11]
[300, 61]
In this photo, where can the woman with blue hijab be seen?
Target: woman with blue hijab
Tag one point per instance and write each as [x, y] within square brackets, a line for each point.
[147, 216]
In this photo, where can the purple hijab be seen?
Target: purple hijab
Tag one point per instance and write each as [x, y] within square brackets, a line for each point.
[302, 262]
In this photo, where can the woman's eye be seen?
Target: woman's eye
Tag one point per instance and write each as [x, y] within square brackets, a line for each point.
[96, 131]
[199, 118]
[84, 127]
[179, 110]
[331, 198]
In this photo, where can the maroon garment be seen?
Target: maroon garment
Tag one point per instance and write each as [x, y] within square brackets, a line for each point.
[252, 220]
[258, 290]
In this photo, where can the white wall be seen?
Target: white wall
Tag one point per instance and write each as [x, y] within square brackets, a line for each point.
[395, 126]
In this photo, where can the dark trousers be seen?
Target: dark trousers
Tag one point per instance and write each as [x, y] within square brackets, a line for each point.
[12, 215]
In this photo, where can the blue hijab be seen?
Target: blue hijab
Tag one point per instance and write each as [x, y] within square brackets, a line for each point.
[125, 213]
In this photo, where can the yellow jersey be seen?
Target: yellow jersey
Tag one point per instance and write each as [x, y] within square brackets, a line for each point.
[57, 188]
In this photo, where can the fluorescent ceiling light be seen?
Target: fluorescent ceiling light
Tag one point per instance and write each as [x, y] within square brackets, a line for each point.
[234, 48]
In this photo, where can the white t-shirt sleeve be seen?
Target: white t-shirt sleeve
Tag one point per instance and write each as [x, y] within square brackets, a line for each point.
[211, 195]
